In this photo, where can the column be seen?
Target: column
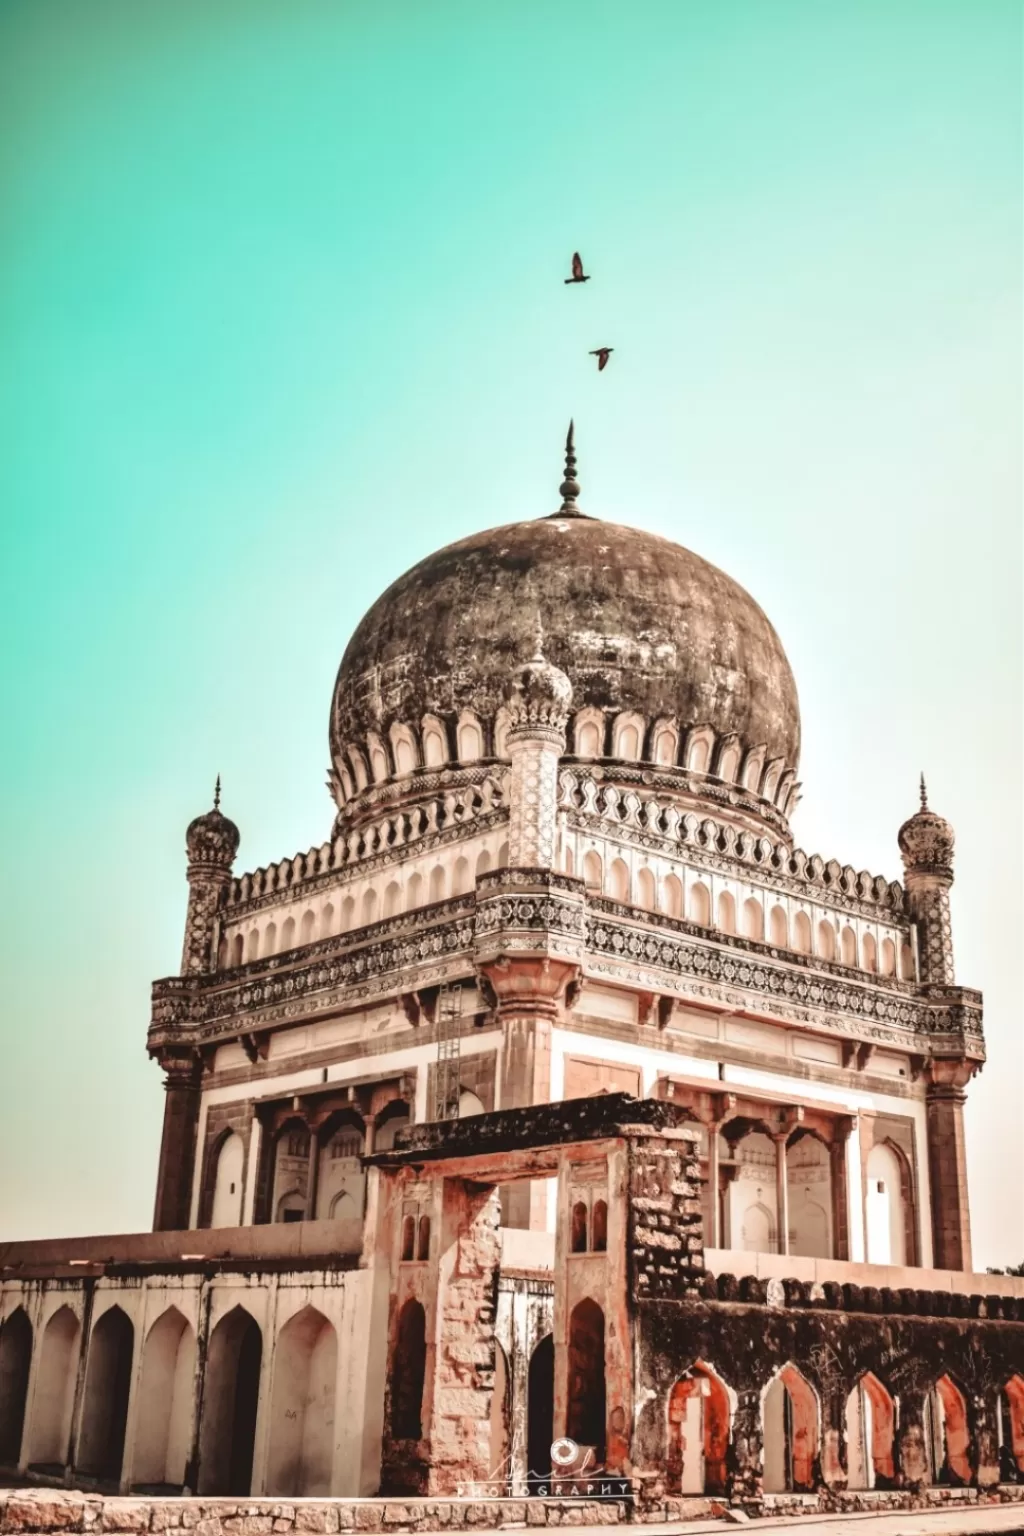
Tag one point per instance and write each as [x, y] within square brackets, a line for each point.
[780, 1139]
[312, 1175]
[714, 1236]
[842, 1129]
[178, 1142]
[947, 1162]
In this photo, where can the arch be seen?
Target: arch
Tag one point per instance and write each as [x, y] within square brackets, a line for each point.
[578, 1233]
[728, 762]
[403, 748]
[15, 1359]
[358, 762]
[269, 945]
[869, 953]
[237, 950]
[348, 913]
[435, 746]
[588, 733]
[791, 1432]
[226, 1207]
[698, 749]
[665, 744]
[848, 946]
[599, 1227]
[593, 870]
[469, 1104]
[164, 1414]
[888, 963]
[469, 738]
[503, 856]
[252, 945]
[628, 737]
[288, 934]
[378, 759]
[483, 862]
[802, 933]
[907, 969]
[778, 927]
[408, 1370]
[947, 1434]
[885, 1208]
[568, 858]
[753, 919]
[341, 1180]
[392, 899]
[423, 1238]
[391, 1120]
[645, 889]
[673, 895]
[1012, 1429]
[618, 881]
[408, 1248]
[291, 1171]
[301, 1450]
[826, 939]
[414, 891]
[105, 1408]
[540, 1410]
[698, 1433]
[585, 1415]
[758, 1230]
[462, 880]
[809, 1177]
[50, 1425]
[368, 913]
[438, 883]
[726, 912]
[232, 1384]
[870, 1427]
[698, 905]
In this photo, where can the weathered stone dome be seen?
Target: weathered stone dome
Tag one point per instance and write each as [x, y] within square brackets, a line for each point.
[671, 662]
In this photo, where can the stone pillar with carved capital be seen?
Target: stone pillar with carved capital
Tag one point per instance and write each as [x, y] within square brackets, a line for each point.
[947, 1162]
[178, 1142]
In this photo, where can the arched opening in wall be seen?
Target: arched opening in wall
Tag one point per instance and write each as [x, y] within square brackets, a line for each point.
[164, 1414]
[618, 881]
[308, 930]
[438, 883]
[907, 963]
[588, 739]
[405, 754]
[826, 939]
[435, 748]
[1011, 1431]
[408, 1369]
[288, 934]
[778, 928]
[407, 1248]
[108, 1378]
[809, 1181]
[483, 862]
[749, 1207]
[870, 1428]
[790, 1421]
[378, 762]
[645, 889]
[726, 912]
[578, 1231]
[15, 1359]
[394, 1118]
[501, 1418]
[585, 1410]
[869, 953]
[237, 950]
[269, 945]
[673, 893]
[348, 913]
[699, 905]
[665, 745]
[252, 945]
[885, 1207]
[753, 919]
[593, 871]
[226, 1208]
[341, 1181]
[50, 1426]
[301, 1450]
[414, 891]
[228, 1431]
[728, 764]
[627, 741]
[503, 856]
[698, 754]
[599, 1227]
[423, 1238]
[291, 1171]
[947, 1434]
[470, 740]
[470, 1104]
[848, 946]
[802, 933]
[368, 913]
[392, 899]
[568, 859]
[540, 1411]
[888, 965]
[462, 881]
[698, 1433]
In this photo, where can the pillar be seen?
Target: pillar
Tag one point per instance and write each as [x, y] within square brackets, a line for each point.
[178, 1142]
[926, 842]
[947, 1162]
[781, 1191]
[842, 1128]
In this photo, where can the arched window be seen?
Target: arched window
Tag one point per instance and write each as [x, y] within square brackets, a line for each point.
[252, 945]
[791, 1433]
[779, 927]
[423, 1238]
[237, 948]
[435, 748]
[627, 739]
[438, 883]
[327, 917]
[414, 891]
[269, 945]
[348, 913]
[588, 739]
[288, 934]
[848, 943]
[673, 896]
[888, 966]
[869, 952]
[404, 750]
[726, 912]
[578, 1236]
[483, 862]
[699, 905]
[729, 762]
[470, 739]
[408, 1369]
[308, 927]
[826, 939]
[907, 962]
[369, 912]
[809, 1177]
[392, 899]
[462, 882]
[408, 1238]
[593, 873]
[698, 753]
[802, 933]
[599, 1227]
[870, 1421]
[645, 891]
[666, 743]
[503, 856]
[378, 762]
[618, 881]
[753, 919]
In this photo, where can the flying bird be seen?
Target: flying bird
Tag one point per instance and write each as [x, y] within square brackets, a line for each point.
[602, 354]
[578, 274]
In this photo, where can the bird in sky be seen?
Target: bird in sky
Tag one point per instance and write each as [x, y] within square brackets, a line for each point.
[602, 354]
[578, 274]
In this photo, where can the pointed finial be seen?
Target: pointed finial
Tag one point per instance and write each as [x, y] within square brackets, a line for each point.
[216, 794]
[924, 795]
[570, 486]
[538, 638]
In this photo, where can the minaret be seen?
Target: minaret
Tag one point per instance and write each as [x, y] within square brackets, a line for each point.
[538, 700]
[211, 842]
[926, 843]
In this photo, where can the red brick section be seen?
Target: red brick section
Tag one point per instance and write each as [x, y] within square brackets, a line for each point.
[177, 1144]
[947, 1163]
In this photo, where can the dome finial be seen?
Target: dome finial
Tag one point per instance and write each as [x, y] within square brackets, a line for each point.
[924, 794]
[570, 486]
[216, 794]
[538, 638]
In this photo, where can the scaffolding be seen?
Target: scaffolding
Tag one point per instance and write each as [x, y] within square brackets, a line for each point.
[449, 1044]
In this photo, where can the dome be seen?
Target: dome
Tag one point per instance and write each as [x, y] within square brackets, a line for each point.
[670, 661]
[212, 839]
[926, 841]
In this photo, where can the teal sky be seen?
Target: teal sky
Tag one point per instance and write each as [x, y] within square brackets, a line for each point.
[281, 310]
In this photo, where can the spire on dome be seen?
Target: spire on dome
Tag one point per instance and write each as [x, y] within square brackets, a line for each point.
[924, 795]
[538, 638]
[216, 794]
[570, 486]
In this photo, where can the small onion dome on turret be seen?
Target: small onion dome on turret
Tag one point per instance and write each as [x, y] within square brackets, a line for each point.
[538, 695]
[926, 841]
[212, 839]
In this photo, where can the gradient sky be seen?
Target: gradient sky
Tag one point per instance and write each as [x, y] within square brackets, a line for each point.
[281, 311]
